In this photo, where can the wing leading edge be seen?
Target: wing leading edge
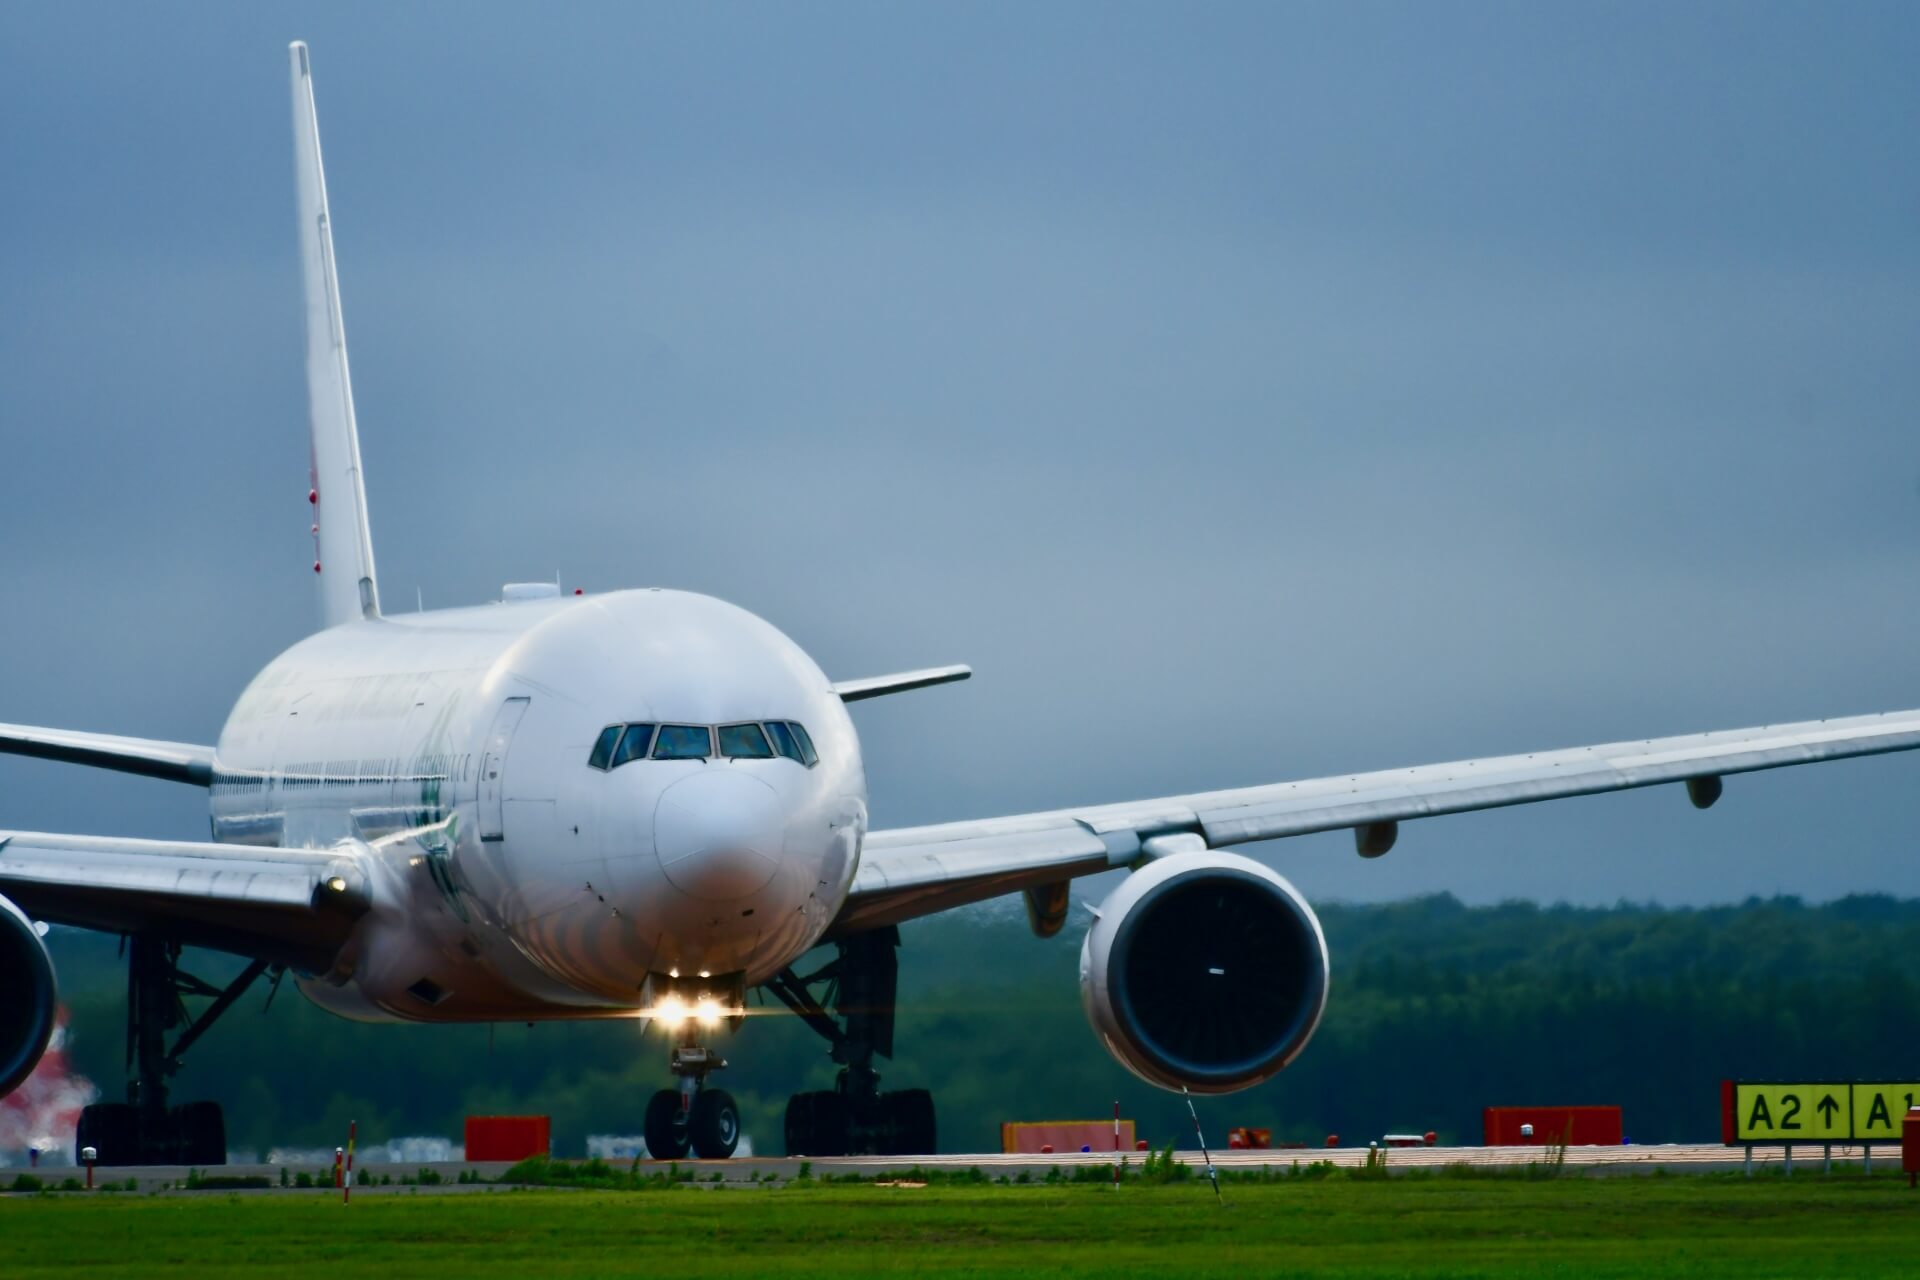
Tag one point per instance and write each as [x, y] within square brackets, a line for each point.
[917, 871]
[174, 761]
[289, 906]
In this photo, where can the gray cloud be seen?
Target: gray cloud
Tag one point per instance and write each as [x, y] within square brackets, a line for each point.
[1250, 393]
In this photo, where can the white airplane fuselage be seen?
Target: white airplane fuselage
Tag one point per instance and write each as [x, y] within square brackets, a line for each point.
[510, 878]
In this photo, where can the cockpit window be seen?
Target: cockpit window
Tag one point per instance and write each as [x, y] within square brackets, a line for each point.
[783, 741]
[602, 757]
[634, 745]
[683, 742]
[744, 742]
[620, 744]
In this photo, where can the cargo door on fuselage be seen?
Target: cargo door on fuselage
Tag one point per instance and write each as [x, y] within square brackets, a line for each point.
[493, 766]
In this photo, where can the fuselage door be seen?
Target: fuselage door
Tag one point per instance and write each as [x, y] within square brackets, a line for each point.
[493, 766]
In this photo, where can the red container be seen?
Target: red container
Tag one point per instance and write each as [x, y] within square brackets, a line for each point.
[508, 1137]
[1065, 1135]
[1575, 1126]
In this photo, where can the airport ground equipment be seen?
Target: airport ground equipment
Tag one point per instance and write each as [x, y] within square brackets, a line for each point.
[510, 1138]
[1029, 1136]
[1549, 1126]
[567, 806]
[1910, 1146]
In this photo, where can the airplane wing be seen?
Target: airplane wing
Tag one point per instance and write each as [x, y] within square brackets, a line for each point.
[917, 871]
[288, 906]
[174, 761]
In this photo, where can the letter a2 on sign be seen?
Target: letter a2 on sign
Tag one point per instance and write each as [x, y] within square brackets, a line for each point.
[1792, 1112]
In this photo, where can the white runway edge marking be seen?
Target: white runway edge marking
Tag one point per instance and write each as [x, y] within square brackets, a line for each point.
[1397, 1157]
[1599, 1160]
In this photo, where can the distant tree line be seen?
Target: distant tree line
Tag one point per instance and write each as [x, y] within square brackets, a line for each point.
[1437, 1010]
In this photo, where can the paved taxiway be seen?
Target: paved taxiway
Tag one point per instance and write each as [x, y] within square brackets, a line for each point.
[1807, 1158]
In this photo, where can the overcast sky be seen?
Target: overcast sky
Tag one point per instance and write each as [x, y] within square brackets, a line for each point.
[1249, 393]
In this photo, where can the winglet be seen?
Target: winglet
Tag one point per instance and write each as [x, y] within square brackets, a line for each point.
[900, 682]
[343, 547]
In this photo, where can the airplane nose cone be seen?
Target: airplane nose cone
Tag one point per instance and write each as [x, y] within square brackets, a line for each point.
[719, 834]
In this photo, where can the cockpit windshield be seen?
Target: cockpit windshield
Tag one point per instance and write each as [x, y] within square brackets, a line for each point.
[620, 744]
[633, 745]
[744, 742]
[602, 757]
[683, 742]
[783, 741]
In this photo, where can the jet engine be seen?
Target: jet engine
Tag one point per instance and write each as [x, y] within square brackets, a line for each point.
[1205, 971]
[27, 997]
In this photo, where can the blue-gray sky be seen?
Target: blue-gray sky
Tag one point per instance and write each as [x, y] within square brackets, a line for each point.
[1247, 392]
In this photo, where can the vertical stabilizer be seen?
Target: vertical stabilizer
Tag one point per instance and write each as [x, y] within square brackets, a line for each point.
[343, 547]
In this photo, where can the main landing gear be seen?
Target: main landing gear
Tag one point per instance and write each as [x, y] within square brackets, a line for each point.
[860, 985]
[144, 1129]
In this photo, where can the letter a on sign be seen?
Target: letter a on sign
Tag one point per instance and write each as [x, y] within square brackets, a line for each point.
[1878, 1109]
[1760, 1118]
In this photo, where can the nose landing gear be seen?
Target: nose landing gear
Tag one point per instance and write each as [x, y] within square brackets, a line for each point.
[693, 1117]
[854, 1115]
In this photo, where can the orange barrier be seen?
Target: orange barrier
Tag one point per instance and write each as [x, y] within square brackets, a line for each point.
[1547, 1126]
[508, 1137]
[1020, 1138]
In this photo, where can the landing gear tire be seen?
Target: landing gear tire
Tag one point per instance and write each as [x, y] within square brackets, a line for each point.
[817, 1124]
[202, 1130]
[666, 1128]
[194, 1134]
[908, 1116]
[715, 1124]
[113, 1130]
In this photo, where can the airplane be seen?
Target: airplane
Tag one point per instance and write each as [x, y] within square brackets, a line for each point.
[646, 804]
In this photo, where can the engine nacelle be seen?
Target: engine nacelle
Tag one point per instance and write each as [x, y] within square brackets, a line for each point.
[1204, 970]
[27, 997]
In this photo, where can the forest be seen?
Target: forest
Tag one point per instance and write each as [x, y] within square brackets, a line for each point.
[1437, 1010]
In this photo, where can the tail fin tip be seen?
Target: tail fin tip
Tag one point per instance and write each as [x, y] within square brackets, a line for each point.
[343, 544]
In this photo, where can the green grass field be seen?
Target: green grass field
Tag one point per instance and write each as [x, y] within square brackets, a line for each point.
[1654, 1226]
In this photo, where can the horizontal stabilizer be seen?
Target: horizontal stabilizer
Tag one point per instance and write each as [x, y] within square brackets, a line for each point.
[900, 682]
[174, 761]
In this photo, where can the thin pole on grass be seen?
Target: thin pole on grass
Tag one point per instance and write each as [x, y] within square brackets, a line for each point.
[1213, 1175]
